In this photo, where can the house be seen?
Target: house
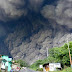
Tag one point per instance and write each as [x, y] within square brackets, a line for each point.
[15, 66]
[54, 66]
[6, 63]
[51, 67]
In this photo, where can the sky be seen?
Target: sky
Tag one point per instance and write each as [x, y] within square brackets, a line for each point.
[14, 11]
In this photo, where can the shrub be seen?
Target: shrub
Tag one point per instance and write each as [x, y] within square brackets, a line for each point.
[39, 69]
[22, 63]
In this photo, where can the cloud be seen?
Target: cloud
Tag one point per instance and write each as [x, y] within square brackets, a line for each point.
[48, 11]
[35, 4]
[11, 9]
[62, 13]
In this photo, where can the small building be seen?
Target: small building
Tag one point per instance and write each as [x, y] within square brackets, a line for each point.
[15, 66]
[6, 63]
[51, 67]
[54, 66]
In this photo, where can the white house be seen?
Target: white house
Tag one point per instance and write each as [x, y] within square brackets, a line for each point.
[51, 67]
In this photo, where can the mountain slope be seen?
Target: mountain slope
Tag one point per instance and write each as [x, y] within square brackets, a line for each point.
[33, 46]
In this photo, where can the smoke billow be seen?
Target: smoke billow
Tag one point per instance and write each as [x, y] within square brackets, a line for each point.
[61, 13]
[48, 11]
[11, 9]
[35, 4]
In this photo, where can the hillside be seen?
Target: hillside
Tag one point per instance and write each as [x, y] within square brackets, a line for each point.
[33, 47]
[29, 27]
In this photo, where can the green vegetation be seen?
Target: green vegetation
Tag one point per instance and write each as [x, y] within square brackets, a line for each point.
[35, 66]
[61, 54]
[22, 63]
[65, 70]
[57, 54]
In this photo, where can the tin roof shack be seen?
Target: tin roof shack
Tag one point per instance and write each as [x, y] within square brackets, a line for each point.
[6, 63]
[46, 67]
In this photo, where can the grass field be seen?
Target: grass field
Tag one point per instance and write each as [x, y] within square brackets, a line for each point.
[65, 70]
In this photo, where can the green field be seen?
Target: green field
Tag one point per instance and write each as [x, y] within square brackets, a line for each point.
[65, 70]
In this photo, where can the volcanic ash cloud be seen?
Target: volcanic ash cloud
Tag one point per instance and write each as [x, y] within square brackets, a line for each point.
[61, 13]
[11, 9]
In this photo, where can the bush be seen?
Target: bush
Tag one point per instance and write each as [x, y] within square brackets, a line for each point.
[35, 66]
[39, 69]
[22, 63]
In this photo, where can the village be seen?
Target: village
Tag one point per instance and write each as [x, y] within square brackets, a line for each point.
[8, 65]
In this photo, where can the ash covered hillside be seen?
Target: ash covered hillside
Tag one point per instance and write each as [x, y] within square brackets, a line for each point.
[31, 44]
[41, 26]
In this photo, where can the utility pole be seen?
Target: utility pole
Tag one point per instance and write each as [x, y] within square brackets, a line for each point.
[46, 48]
[69, 52]
[47, 52]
